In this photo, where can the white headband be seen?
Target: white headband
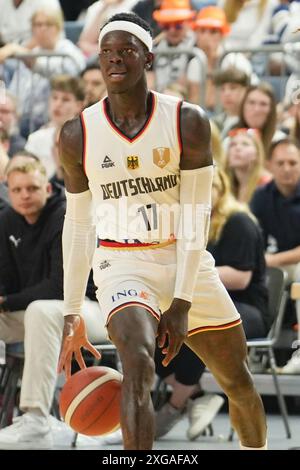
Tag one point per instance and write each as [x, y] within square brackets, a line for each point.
[129, 27]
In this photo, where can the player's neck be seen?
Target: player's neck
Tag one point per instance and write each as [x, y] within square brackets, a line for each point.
[133, 104]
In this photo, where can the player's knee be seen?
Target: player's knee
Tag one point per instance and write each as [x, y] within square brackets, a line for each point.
[239, 387]
[139, 365]
[139, 376]
[145, 363]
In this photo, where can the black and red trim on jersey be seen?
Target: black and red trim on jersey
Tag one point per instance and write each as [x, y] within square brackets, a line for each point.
[179, 105]
[214, 327]
[141, 131]
[133, 304]
[83, 126]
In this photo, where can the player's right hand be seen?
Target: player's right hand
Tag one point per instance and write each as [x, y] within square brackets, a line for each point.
[74, 338]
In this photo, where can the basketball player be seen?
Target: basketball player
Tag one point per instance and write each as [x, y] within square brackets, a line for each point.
[112, 159]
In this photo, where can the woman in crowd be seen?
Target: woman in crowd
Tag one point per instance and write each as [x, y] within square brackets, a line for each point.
[245, 163]
[258, 111]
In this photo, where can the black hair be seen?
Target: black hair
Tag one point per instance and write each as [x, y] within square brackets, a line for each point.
[91, 66]
[133, 18]
[283, 140]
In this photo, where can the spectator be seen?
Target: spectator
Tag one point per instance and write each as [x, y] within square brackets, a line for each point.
[250, 21]
[72, 10]
[145, 9]
[236, 243]
[29, 266]
[289, 108]
[4, 142]
[258, 111]
[173, 18]
[291, 123]
[47, 26]
[231, 84]
[285, 21]
[277, 207]
[97, 15]
[211, 28]
[217, 145]
[245, 163]
[15, 19]
[296, 124]
[9, 123]
[3, 197]
[94, 86]
[66, 101]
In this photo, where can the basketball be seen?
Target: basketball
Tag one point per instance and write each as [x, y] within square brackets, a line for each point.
[90, 401]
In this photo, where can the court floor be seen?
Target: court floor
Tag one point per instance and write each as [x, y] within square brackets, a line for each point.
[176, 439]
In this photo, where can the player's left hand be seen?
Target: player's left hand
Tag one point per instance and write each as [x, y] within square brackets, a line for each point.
[173, 328]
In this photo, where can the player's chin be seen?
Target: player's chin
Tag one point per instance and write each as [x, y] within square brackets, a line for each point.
[119, 88]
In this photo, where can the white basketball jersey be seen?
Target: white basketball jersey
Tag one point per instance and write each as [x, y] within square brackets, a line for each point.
[134, 181]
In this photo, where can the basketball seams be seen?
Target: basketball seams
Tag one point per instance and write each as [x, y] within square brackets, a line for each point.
[111, 375]
[115, 397]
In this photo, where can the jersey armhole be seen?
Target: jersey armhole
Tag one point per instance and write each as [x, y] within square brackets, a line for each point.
[178, 126]
[83, 127]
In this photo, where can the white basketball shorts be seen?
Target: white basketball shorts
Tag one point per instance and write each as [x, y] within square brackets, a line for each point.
[146, 277]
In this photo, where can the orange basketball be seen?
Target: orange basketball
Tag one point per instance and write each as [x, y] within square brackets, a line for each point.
[90, 401]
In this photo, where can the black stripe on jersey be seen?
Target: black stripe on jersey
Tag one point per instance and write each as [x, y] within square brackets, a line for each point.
[83, 128]
[179, 136]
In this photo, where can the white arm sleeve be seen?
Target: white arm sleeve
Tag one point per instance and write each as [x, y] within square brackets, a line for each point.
[79, 242]
[192, 235]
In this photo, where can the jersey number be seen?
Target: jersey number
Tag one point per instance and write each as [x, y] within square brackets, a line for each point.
[149, 214]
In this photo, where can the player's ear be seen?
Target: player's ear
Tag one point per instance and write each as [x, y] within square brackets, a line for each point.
[149, 60]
